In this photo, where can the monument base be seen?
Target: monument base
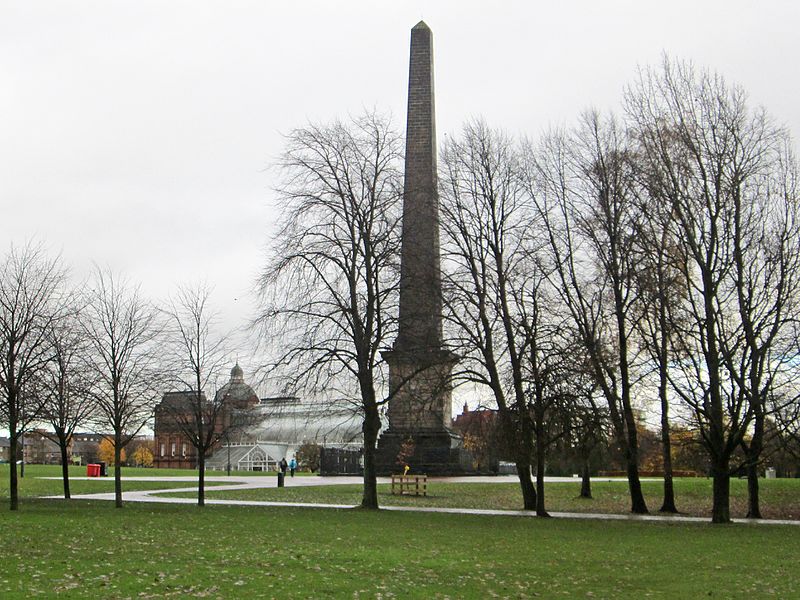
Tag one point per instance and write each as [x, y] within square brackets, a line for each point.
[434, 453]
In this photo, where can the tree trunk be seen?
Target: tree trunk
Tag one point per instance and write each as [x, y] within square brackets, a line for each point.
[201, 477]
[540, 508]
[526, 484]
[720, 509]
[668, 505]
[62, 442]
[117, 471]
[371, 427]
[631, 438]
[753, 506]
[638, 505]
[13, 483]
[586, 481]
[753, 454]
[540, 455]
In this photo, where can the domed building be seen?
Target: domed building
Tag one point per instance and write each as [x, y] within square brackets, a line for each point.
[172, 448]
[255, 434]
[236, 392]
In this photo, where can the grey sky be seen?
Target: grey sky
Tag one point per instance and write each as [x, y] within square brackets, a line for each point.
[138, 134]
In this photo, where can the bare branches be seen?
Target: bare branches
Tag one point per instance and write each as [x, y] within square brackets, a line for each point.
[330, 292]
[726, 179]
[122, 330]
[499, 303]
[586, 196]
[197, 357]
[32, 293]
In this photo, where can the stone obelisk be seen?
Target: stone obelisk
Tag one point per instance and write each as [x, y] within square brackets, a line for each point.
[419, 409]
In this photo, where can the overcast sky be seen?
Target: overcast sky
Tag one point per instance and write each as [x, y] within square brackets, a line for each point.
[139, 134]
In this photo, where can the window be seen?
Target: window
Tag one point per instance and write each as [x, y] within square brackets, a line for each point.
[183, 450]
[173, 448]
[163, 449]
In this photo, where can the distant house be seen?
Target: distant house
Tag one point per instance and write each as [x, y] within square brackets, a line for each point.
[40, 449]
[172, 449]
[86, 447]
[5, 449]
[479, 429]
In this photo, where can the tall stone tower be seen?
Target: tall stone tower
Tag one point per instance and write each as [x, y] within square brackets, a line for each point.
[419, 365]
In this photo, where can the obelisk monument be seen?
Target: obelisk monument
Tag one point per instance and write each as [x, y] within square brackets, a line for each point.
[419, 407]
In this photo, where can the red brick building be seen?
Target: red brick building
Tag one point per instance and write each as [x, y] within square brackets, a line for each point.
[173, 449]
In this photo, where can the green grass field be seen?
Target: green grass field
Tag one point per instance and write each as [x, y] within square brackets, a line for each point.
[780, 498]
[89, 549]
[81, 549]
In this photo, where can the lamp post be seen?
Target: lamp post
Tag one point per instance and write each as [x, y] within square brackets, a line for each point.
[228, 444]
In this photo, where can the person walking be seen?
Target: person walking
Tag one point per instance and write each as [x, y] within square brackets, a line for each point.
[283, 465]
[292, 466]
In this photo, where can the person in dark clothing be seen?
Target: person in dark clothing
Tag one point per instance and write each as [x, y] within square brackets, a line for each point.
[283, 465]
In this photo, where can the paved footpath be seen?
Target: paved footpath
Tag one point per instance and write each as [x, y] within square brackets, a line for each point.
[243, 482]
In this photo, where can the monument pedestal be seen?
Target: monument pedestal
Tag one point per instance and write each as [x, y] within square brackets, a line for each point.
[435, 453]
[419, 416]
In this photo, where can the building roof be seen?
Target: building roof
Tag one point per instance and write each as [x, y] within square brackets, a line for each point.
[236, 392]
[294, 421]
[180, 400]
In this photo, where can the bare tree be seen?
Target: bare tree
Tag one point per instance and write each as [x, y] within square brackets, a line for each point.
[588, 433]
[659, 288]
[585, 190]
[122, 330]
[717, 165]
[32, 290]
[556, 399]
[501, 310]
[65, 385]
[485, 223]
[199, 354]
[330, 293]
[766, 238]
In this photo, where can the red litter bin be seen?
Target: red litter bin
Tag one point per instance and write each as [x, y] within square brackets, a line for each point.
[92, 470]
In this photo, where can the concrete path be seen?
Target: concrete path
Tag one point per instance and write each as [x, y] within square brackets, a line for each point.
[243, 482]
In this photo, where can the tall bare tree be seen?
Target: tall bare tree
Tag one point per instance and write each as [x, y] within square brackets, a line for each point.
[485, 222]
[330, 292]
[65, 385]
[659, 288]
[199, 353]
[32, 293]
[122, 330]
[498, 301]
[721, 168]
[766, 238]
[585, 189]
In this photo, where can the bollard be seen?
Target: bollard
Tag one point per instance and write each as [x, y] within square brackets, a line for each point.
[280, 479]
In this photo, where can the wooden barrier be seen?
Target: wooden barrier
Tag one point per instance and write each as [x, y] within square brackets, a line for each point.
[406, 485]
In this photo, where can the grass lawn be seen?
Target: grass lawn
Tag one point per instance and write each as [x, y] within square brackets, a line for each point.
[780, 498]
[32, 485]
[81, 549]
